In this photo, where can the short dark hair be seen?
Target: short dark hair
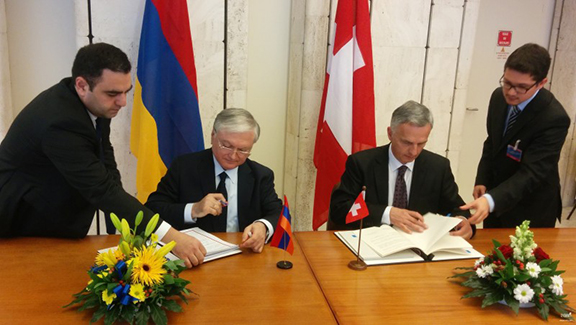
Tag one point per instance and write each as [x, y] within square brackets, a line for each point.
[530, 58]
[92, 59]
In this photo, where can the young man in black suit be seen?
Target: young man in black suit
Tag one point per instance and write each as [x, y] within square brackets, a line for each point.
[57, 165]
[220, 189]
[517, 175]
[425, 176]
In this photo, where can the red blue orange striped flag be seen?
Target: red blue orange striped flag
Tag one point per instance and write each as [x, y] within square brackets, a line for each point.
[283, 234]
[165, 117]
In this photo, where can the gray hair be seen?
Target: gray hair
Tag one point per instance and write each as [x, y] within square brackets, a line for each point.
[236, 120]
[413, 113]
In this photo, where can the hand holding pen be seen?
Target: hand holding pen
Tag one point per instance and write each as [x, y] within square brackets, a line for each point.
[210, 204]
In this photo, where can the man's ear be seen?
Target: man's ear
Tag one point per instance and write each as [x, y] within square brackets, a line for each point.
[81, 86]
[542, 83]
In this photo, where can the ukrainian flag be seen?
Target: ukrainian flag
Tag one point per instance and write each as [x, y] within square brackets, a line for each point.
[165, 117]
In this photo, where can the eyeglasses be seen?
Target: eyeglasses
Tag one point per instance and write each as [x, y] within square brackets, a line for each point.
[520, 90]
[243, 152]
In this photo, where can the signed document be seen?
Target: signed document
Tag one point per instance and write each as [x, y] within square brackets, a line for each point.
[215, 247]
[388, 245]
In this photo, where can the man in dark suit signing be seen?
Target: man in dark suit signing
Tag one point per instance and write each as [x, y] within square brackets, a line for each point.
[403, 181]
[57, 165]
[220, 189]
[517, 176]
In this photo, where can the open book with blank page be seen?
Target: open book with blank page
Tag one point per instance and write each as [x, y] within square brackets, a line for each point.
[389, 245]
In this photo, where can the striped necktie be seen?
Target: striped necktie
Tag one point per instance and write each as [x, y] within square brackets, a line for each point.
[515, 112]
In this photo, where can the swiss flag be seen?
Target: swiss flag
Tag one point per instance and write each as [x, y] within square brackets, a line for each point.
[359, 210]
[346, 121]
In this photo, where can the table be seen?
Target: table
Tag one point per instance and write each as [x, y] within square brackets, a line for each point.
[422, 292]
[39, 275]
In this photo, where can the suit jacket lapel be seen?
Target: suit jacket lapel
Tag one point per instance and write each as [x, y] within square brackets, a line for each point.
[418, 182]
[381, 175]
[207, 178]
[528, 114]
[245, 189]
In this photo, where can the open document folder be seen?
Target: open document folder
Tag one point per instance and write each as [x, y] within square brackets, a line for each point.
[215, 247]
[388, 245]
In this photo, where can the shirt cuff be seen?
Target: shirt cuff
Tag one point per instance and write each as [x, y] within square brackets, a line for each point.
[162, 230]
[270, 230]
[386, 215]
[490, 201]
[188, 214]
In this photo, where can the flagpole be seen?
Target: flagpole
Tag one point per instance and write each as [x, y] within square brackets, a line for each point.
[284, 264]
[358, 264]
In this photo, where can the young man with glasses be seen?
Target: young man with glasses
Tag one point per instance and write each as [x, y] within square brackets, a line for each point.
[517, 175]
[220, 189]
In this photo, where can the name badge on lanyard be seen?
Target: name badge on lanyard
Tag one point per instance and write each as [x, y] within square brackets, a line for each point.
[513, 152]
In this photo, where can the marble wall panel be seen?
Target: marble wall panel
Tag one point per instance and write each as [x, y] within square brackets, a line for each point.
[468, 31]
[438, 94]
[567, 35]
[207, 29]
[6, 114]
[237, 53]
[445, 23]
[398, 75]
[400, 23]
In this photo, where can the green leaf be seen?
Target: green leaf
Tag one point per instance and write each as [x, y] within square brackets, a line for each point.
[496, 243]
[158, 315]
[99, 314]
[543, 309]
[513, 303]
[142, 316]
[171, 305]
[522, 277]
[168, 279]
[491, 299]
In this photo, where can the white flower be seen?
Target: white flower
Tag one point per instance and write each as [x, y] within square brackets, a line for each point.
[533, 269]
[523, 293]
[484, 271]
[478, 261]
[556, 285]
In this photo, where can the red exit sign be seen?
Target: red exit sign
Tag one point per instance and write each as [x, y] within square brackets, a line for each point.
[504, 38]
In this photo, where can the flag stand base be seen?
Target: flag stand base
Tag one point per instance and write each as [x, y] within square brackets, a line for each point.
[285, 265]
[357, 265]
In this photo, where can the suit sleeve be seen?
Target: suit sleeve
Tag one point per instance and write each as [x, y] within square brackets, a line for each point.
[166, 199]
[271, 205]
[538, 161]
[72, 152]
[348, 190]
[109, 158]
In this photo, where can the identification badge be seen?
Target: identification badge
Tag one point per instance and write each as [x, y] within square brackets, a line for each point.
[513, 152]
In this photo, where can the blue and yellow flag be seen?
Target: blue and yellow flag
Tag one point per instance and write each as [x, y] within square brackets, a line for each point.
[165, 118]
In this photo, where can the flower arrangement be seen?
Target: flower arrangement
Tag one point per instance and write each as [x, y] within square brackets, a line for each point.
[519, 275]
[133, 281]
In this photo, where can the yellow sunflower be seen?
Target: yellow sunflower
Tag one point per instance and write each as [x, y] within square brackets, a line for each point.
[107, 298]
[109, 257]
[147, 268]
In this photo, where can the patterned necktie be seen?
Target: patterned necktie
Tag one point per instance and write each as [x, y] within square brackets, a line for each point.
[222, 218]
[513, 117]
[400, 193]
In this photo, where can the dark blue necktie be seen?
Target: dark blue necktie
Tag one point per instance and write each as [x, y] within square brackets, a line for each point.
[400, 192]
[515, 112]
[222, 218]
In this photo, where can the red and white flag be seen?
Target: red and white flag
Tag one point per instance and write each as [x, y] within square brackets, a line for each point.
[346, 122]
[359, 209]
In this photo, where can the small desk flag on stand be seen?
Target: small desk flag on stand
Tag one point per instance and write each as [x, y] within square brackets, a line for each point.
[358, 211]
[283, 235]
